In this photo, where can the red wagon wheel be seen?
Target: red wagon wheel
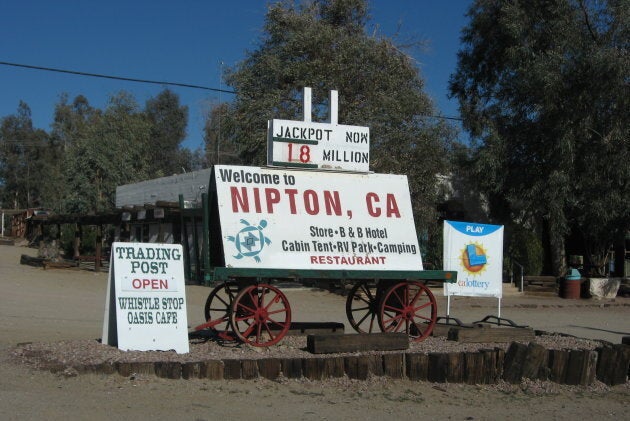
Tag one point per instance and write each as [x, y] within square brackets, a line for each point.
[409, 307]
[362, 307]
[219, 304]
[260, 315]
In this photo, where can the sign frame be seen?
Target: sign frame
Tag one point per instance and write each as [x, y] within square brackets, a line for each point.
[145, 304]
[470, 248]
[305, 220]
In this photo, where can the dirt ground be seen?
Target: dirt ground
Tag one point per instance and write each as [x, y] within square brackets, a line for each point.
[52, 305]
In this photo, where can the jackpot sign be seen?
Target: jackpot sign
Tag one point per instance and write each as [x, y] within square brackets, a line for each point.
[292, 219]
[318, 145]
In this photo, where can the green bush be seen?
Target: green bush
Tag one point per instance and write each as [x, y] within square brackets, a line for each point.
[525, 246]
[88, 239]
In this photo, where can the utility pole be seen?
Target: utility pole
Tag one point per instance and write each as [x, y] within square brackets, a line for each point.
[217, 148]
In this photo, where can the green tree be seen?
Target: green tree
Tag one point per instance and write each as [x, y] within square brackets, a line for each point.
[168, 121]
[71, 120]
[22, 157]
[219, 151]
[324, 44]
[543, 88]
[192, 160]
[70, 123]
[111, 151]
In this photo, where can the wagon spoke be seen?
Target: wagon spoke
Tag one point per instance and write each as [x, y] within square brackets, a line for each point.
[367, 292]
[395, 293]
[258, 331]
[368, 314]
[242, 307]
[425, 305]
[269, 332]
[271, 302]
[395, 324]
[419, 316]
[391, 308]
[280, 310]
[418, 328]
[392, 319]
[261, 298]
[248, 331]
[361, 307]
[416, 297]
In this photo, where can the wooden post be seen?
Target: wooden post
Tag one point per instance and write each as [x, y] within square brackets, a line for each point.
[558, 361]
[207, 278]
[249, 369]
[456, 367]
[291, 368]
[40, 234]
[184, 239]
[438, 367]
[313, 368]
[535, 361]
[195, 249]
[160, 237]
[269, 368]
[98, 248]
[125, 232]
[613, 363]
[375, 364]
[191, 370]
[77, 240]
[581, 364]
[474, 368]
[356, 367]
[57, 241]
[231, 369]
[417, 366]
[489, 374]
[514, 359]
[333, 367]
[127, 369]
[393, 365]
[212, 369]
[168, 370]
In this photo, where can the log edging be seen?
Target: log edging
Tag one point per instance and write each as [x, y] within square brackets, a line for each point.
[609, 364]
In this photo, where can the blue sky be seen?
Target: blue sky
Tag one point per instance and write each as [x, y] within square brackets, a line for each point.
[180, 41]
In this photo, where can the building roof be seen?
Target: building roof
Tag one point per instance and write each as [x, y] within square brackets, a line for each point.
[166, 189]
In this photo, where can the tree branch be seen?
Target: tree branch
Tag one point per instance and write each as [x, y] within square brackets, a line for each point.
[588, 22]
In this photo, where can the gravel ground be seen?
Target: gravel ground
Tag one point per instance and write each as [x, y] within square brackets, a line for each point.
[91, 352]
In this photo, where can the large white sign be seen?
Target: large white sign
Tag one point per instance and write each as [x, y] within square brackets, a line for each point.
[292, 219]
[475, 251]
[319, 145]
[146, 294]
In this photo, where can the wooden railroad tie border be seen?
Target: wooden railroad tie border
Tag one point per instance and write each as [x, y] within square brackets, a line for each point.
[491, 334]
[336, 343]
[609, 364]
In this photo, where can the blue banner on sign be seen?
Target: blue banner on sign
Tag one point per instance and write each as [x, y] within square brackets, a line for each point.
[472, 228]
